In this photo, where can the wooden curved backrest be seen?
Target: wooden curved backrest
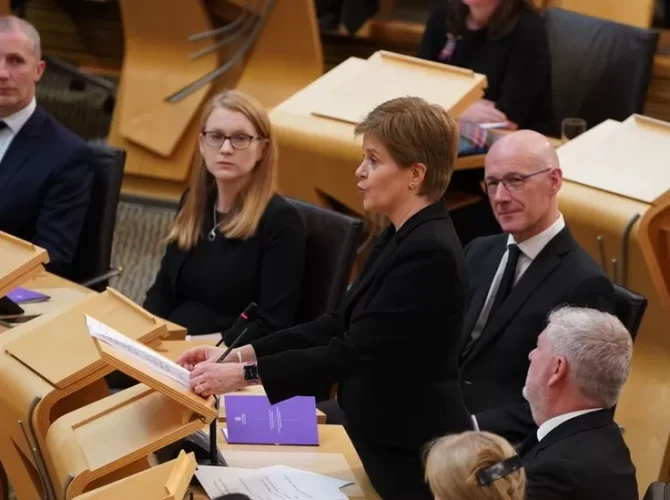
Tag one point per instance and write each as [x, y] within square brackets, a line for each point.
[636, 13]
[655, 244]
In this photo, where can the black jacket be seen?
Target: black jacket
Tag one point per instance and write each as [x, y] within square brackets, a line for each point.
[46, 180]
[581, 459]
[206, 288]
[392, 344]
[494, 372]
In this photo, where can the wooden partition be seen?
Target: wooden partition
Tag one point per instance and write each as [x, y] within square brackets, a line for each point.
[634, 12]
[160, 136]
[617, 203]
[4, 10]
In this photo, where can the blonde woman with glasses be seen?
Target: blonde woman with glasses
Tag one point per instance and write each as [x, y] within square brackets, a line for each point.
[234, 240]
[474, 466]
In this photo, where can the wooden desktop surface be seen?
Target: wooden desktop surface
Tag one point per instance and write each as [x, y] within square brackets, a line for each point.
[332, 439]
[46, 281]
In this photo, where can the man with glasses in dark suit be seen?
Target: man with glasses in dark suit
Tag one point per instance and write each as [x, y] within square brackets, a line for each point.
[517, 278]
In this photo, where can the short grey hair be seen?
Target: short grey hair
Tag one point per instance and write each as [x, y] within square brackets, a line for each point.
[10, 24]
[598, 349]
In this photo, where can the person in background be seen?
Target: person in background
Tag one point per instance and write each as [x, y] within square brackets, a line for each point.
[393, 342]
[234, 239]
[576, 374]
[474, 466]
[505, 40]
[517, 277]
[46, 176]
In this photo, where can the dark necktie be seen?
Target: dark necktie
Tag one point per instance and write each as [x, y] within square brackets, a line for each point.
[3, 125]
[507, 281]
[505, 286]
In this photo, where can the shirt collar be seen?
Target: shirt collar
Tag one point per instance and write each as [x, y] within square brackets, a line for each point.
[534, 245]
[552, 423]
[17, 120]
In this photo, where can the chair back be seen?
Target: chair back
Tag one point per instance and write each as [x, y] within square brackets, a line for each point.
[600, 69]
[657, 491]
[332, 239]
[94, 253]
[629, 307]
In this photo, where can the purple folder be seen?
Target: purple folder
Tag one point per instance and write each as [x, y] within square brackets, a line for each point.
[253, 420]
[23, 296]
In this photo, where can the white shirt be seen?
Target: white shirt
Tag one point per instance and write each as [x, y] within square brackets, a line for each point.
[15, 122]
[552, 423]
[529, 249]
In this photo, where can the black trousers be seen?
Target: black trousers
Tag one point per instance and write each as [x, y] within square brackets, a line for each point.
[396, 474]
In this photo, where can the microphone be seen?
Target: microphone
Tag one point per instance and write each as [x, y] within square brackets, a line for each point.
[249, 314]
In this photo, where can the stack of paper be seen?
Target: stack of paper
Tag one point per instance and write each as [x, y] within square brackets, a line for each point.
[138, 351]
[270, 483]
[19, 261]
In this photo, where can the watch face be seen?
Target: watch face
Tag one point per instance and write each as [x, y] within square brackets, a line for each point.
[251, 372]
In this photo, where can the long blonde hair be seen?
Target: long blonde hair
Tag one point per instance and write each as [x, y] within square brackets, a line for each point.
[453, 462]
[243, 219]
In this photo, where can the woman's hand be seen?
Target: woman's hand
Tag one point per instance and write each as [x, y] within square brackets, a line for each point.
[200, 354]
[217, 378]
[483, 111]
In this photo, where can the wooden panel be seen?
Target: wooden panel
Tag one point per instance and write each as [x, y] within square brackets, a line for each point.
[72, 355]
[18, 258]
[386, 75]
[633, 12]
[642, 408]
[287, 56]
[629, 158]
[4, 10]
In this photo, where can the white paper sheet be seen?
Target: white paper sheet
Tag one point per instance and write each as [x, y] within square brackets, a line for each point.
[138, 351]
[270, 483]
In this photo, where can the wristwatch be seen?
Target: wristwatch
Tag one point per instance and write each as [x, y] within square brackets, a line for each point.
[251, 373]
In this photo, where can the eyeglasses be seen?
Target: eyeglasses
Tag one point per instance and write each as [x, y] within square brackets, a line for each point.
[215, 139]
[511, 182]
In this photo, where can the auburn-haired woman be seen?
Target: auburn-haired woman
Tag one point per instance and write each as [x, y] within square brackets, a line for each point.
[234, 239]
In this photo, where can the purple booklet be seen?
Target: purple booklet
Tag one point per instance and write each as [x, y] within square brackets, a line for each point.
[253, 420]
[24, 296]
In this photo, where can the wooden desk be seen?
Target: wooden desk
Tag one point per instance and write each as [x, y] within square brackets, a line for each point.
[332, 439]
[47, 281]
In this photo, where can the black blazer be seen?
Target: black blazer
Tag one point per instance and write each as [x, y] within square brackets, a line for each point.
[494, 372]
[582, 459]
[517, 66]
[45, 188]
[392, 342]
[224, 276]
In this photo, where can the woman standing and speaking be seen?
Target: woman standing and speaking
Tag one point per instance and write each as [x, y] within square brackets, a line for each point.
[393, 342]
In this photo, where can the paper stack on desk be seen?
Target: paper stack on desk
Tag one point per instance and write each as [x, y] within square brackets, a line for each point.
[270, 483]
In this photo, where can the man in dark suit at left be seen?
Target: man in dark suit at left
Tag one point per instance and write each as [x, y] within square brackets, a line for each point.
[45, 175]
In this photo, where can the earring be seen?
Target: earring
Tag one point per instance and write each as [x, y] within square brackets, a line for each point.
[412, 186]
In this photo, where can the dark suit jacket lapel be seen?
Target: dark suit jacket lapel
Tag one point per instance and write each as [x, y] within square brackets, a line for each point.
[21, 146]
[542, 266]
[386, 244]
[482, 285]
[582, 423]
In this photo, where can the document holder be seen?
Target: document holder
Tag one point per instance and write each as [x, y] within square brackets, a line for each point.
[19, 261]
[113, 437]
[49, 367]
[168, 481]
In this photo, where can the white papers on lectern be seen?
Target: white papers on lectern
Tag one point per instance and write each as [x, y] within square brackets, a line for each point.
[138, 351]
